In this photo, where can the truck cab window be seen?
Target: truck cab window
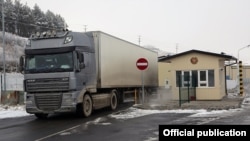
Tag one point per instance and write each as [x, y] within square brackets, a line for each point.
[60, 62]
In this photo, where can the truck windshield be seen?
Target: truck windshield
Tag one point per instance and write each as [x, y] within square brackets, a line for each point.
[45, 63]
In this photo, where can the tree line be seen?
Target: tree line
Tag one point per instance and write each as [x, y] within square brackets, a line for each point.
[21, 20]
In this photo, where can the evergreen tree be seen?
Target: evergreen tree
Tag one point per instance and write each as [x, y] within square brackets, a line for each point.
[23, 21]
[26, 22]
[10, 16]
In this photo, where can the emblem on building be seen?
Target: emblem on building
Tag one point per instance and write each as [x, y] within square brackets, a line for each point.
[194, 60]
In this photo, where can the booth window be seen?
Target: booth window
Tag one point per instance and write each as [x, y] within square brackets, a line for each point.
[195, 78]
[206, 78]
[210, 78]
[178, 78]
[203, 78]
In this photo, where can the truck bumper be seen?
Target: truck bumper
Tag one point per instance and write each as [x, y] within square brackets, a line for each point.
[49, 103]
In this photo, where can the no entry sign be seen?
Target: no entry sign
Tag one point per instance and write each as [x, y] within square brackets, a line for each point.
[142, 63]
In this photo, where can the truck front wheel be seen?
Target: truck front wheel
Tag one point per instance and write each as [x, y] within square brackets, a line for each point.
[87, 106]
[113, 100]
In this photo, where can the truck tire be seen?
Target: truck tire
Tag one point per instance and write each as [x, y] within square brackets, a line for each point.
[87, 106]
[113, 100]
[41, 116]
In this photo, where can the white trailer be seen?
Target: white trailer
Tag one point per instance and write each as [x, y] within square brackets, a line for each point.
[117, 62]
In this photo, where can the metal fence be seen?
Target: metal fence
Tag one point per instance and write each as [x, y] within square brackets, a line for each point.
[187, 88]
[13, 86]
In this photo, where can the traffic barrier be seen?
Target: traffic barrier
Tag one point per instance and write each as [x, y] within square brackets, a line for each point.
[241, 78]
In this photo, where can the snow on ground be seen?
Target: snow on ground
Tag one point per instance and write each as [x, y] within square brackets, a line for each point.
[12, 111]
[132, 112]
[135, 112]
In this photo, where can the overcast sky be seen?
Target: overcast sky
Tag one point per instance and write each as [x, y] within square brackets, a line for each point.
[170, 25]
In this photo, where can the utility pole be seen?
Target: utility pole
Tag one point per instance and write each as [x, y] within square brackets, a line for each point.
[3, 32]
[139, 40]
[15, 42]
[176, 48]
[85, 28]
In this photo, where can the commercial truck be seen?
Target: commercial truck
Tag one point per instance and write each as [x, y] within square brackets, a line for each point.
[68, 71]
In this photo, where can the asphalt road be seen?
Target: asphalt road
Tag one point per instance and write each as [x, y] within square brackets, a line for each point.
[30, 128]
[101, 127]
[144, 128]
[135, 129]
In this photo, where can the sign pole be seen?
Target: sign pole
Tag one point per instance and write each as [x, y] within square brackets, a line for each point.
[142, 78]
[142, 64]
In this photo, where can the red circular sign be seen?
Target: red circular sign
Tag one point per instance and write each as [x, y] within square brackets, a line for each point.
[142, 63]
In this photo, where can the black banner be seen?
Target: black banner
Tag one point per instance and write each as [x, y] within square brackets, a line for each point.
[202, 132]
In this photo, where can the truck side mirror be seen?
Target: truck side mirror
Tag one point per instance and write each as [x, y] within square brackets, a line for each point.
[21, 64]
[80, 57]
[82, 65]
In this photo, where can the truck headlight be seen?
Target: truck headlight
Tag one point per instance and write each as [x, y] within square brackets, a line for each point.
[29, 100]
[67, 99]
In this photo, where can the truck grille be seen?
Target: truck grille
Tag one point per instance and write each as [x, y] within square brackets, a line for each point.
[48, 102]
[47, 84]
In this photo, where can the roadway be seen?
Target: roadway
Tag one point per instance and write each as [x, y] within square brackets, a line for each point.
[100, 126]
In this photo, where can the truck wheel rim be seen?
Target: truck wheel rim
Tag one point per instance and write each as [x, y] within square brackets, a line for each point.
[87, 106]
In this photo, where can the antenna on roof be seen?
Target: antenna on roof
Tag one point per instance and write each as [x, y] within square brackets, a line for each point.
[176, 47]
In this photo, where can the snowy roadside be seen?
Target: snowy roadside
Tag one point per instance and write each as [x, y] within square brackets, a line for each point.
[132, 112]
[12, 111]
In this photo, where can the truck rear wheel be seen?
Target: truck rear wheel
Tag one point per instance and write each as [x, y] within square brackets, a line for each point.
[113, 100]
[87, 106]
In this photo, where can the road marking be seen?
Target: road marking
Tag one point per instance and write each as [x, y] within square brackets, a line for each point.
[57, 133]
